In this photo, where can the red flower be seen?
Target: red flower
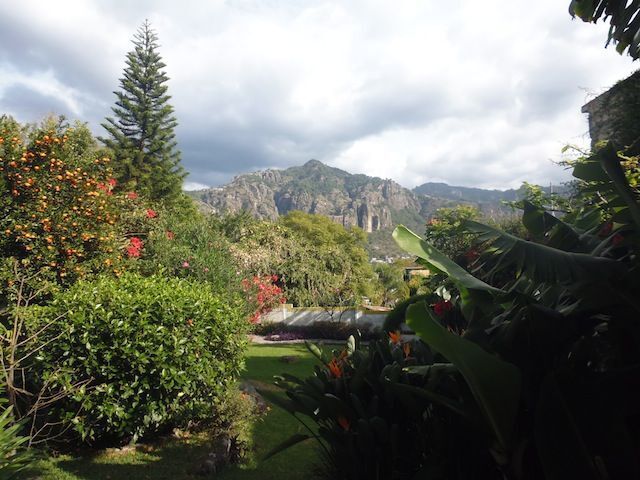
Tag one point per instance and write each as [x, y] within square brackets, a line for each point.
[606, 229]
[344, 423]
[112, 182]
[170, 235]
[135, 245]
[185, 264]
[151, 213]
[132, 195]
[136, 242]
[617, 239]
[442, 307]
[472, 255]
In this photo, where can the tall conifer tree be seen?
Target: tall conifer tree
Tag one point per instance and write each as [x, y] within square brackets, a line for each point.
[141, 133]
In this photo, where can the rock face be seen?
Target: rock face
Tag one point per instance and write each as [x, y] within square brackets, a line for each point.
[368, 202]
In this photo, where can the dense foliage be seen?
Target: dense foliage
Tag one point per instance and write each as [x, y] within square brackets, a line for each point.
[551, 324]
[372, 419]
[317, 262]
[57, 211]
[142, 133]
[155, 354]
[189, 246]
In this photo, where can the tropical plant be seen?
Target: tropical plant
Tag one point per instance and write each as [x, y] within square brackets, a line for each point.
[373, 419]
[552, 342]
[14, 457]
[141, 135]
[623, 16]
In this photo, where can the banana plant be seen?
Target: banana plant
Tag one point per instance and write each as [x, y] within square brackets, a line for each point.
[552, 330]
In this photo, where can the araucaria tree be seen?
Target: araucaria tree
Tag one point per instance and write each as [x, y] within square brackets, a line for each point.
[141, 133]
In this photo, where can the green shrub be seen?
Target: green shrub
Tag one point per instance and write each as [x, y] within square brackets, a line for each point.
[190, 247]
[156, 352]
[233, 417]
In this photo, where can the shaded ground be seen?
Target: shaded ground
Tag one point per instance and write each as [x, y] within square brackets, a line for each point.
[176, 459]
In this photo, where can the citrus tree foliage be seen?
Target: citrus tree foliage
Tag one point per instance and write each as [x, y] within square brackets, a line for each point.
[57, 208]
[623, 17]
[141, 133]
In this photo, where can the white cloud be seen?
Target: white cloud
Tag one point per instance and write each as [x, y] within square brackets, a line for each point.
[472, 93]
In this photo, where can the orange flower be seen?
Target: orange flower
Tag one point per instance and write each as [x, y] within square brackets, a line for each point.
[394, 337]
[334, 368]
[344, 423]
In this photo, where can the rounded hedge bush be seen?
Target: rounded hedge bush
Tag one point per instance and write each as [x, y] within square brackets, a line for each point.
[156, 353]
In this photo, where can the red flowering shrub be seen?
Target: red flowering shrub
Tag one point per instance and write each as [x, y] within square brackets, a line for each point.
[264, 293]
[57, 211]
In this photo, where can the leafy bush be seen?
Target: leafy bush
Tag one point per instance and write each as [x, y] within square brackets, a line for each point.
[156, 352]
[233, 417]
[190, 247]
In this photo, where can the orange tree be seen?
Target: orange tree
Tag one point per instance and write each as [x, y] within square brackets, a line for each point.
[57, 213]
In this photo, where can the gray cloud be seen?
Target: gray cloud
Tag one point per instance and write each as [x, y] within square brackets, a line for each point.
[468, 93]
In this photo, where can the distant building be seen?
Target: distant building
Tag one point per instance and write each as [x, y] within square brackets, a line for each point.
[615, 114]
[415, 270]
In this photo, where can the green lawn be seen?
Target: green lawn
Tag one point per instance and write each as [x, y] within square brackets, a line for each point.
[174, 459]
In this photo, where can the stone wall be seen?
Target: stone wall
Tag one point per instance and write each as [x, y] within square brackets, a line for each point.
[615, 115]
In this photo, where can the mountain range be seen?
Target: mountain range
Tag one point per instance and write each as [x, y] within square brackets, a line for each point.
[374, 204]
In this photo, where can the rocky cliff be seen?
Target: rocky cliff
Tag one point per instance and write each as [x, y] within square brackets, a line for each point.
[371, 203]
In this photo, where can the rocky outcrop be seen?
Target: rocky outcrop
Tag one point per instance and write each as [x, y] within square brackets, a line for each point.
[370, 203]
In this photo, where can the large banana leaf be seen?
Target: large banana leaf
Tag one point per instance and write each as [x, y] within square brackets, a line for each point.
[413, 244]
[495, 384]
[624, 30]
[543, 263]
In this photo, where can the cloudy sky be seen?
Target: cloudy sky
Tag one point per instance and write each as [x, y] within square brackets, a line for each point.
[466, 92]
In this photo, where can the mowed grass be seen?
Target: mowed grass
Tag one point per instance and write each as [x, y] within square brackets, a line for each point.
[176, 459]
